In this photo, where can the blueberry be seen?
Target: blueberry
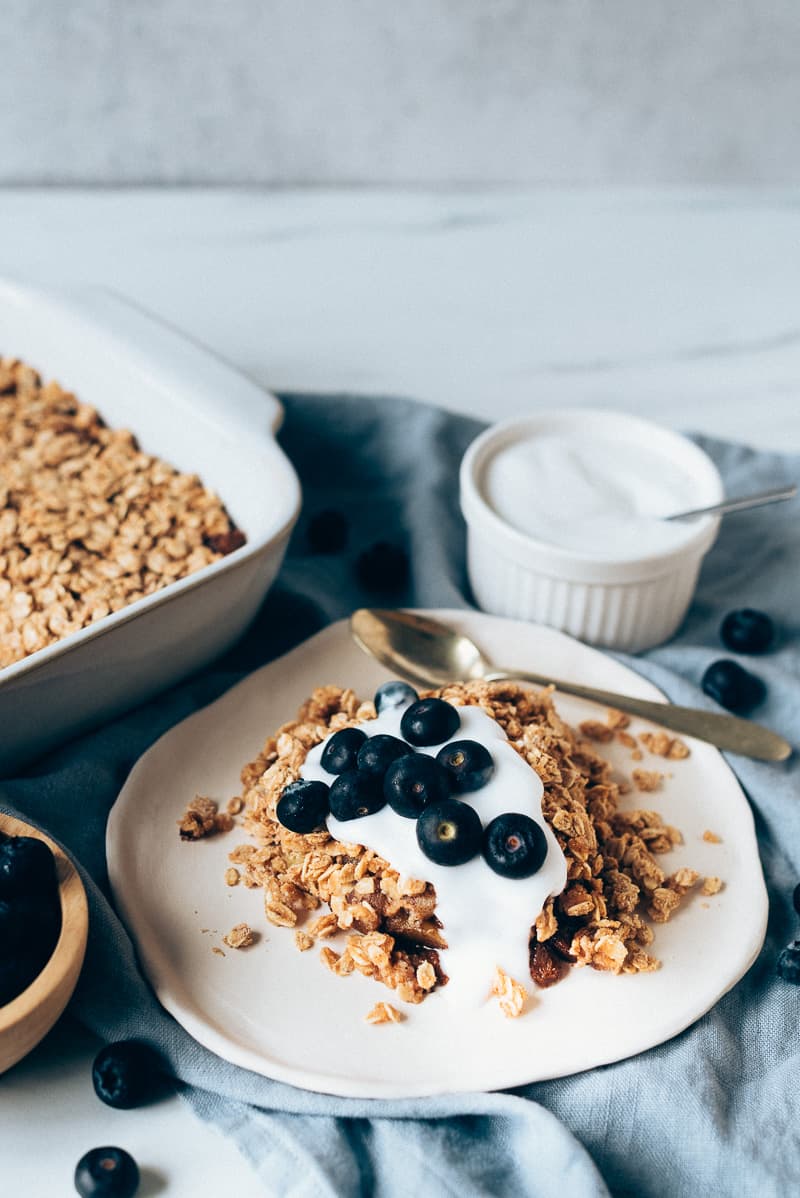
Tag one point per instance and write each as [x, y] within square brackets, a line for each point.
[469, 764]
[789, 963]
[12, 928]
[429, 722]
[394, 694]
[378, 752]
[747, 631]
[327, 532]
[126, 1074]
[383, 568]
[26, 866]
[303, 806]
[413, 783]
[732, 686]
[356, 793]
[449, 832]
[107, 1173]
[341, 750]
[514, 845]
[34, 920]
[17, 971]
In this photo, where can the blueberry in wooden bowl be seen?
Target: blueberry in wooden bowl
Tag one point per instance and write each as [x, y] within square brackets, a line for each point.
[44, 922]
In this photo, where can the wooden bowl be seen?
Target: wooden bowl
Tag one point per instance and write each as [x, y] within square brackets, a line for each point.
[28, 1017]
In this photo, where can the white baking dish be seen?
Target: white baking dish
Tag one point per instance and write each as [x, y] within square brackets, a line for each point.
[200, 415]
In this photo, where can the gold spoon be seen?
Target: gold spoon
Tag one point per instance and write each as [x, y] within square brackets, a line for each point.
[431, 654]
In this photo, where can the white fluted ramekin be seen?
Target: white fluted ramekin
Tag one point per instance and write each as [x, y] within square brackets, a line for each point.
[630, 604]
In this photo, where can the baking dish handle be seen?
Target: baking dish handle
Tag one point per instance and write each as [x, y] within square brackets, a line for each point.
[248, 406]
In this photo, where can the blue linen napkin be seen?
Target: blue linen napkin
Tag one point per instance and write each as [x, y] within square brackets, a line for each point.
[714, 1110]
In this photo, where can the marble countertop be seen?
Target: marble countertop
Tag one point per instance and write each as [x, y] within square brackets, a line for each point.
[682, 305]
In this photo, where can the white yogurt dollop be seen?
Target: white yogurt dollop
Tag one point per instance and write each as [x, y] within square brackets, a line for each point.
[591, 495]
[487, 918]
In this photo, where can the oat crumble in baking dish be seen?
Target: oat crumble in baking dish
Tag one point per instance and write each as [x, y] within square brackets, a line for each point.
[616, 886]
[89, 523]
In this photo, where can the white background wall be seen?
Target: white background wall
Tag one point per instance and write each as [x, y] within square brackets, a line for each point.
[427, 91]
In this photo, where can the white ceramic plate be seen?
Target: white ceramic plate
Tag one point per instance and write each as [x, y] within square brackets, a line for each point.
[281, 1013]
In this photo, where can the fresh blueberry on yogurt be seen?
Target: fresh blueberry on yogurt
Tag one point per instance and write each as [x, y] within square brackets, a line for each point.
[413, 783]
[355, 794]
[341, 751]
[429, 722]
[514, 845]
[394, 694]
[378, 752]
[303, 806]
[449, 832]
[468, 763]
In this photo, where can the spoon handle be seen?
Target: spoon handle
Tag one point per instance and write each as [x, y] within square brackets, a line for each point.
[725, 731]
[775, 495]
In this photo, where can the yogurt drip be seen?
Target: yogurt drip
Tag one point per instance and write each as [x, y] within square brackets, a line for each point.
[592, 495]
[487, 918]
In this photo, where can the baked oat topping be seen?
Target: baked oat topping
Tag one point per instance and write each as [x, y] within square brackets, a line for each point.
[664, 745]
[614, 875]
[384, 1012]
[240, 936]
[89, 522]
[646, 780]
[711, 885]
[202, 818]
[711, 837]
[510, 993]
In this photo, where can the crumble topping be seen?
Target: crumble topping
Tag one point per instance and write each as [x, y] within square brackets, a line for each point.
[384, 1012]
[321, 887]
[510, 994]
[202, 817]
[240, 936]
[646, 780]
[88, 521]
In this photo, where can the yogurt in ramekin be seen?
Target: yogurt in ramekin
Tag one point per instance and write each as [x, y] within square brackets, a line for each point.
[565, 524]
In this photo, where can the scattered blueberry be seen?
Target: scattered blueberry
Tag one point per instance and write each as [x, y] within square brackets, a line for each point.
[449, 832]
[796, 898]
[732, 686]
[327, 532]
[747, 631]
[789, 963]
[378, 752]
[413, 783]
[107, 1173]
[394, 694]
[383, 568]
[514, 845]
[341, 750]
[26, 866]
[355, 794]
[303, 806]
[429, 722]
[126, 1074]
[468, 763]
